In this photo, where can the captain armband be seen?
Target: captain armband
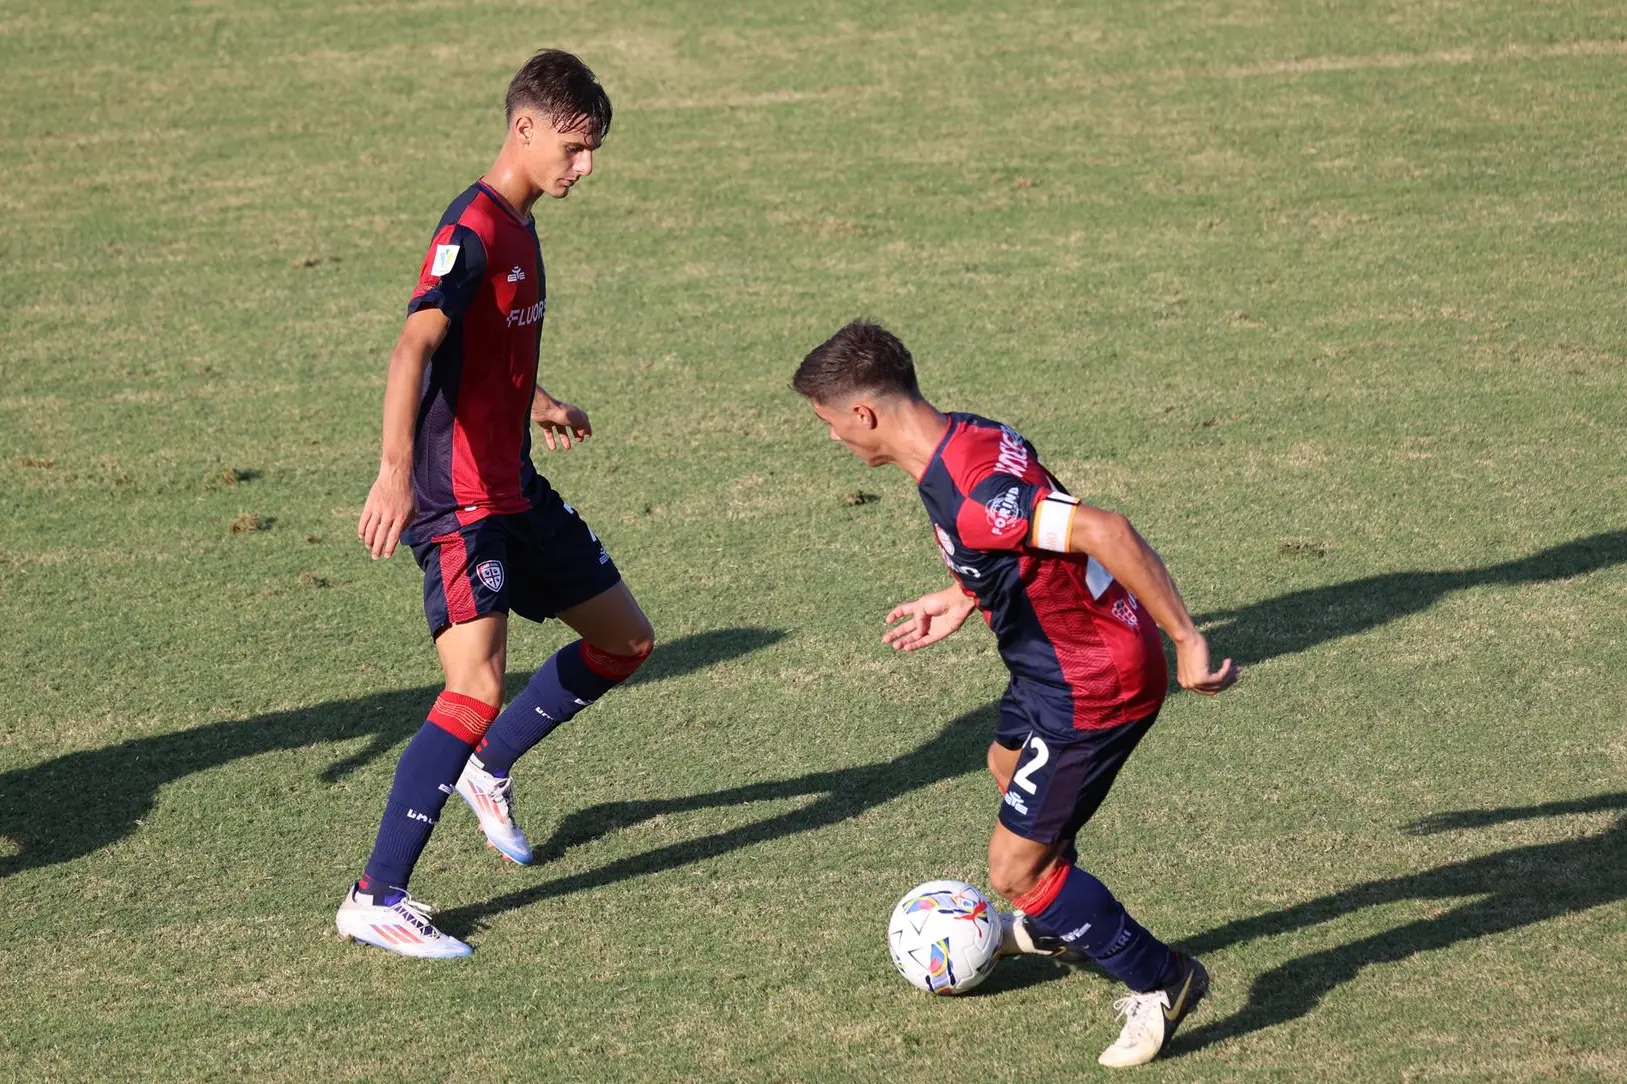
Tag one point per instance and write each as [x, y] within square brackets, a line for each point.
[1053, 523]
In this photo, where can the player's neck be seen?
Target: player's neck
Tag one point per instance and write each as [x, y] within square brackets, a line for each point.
[510, 182]
[919, 429]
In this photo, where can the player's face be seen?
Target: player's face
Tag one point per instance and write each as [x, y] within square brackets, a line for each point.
[556, 160]
[854, 424]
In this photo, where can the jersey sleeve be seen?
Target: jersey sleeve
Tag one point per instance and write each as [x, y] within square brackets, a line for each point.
[454, 267]
[999, 512]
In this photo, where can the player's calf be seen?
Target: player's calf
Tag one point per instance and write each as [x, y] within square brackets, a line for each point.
[572, 679]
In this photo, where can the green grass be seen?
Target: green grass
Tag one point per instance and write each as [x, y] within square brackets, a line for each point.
[1326, 296]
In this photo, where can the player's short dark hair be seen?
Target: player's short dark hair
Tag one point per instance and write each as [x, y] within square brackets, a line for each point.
[862, 357]
[558, 85]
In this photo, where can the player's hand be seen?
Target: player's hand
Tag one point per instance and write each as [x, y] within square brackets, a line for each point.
[389, 508]
[1192, 668]
[927, 620]
[561, 422]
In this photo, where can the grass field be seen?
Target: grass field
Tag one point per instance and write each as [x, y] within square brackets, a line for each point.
[1326, 296]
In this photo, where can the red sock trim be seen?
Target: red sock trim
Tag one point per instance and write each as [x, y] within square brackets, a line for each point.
[462, 716]
[1044, 892]
[611, 667]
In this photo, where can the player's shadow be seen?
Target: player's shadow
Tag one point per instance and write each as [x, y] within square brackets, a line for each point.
[1504, 891]
[75, 804]
[1303, 619]
[842, 793]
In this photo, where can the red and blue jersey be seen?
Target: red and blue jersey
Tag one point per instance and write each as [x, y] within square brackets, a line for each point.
[472, 454]
[1065, 628]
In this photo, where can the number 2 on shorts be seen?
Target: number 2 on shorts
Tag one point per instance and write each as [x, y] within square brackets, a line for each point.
[1042, 753]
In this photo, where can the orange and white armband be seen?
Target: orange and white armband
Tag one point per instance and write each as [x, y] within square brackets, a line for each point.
[1053, 523]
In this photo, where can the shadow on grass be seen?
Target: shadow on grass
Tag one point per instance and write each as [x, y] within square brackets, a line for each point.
[1303, 619]
[1513, 889]
[76, 804]
[843, 793]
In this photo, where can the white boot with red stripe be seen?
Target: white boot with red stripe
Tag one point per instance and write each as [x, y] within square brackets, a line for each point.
[492, 799]
[401, 927]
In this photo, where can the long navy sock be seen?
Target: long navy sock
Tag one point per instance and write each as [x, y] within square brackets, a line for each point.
[573, 677]
[424, 779]
[1078, 908]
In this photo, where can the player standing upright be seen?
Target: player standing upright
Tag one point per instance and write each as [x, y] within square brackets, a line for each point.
[456, 483]
[1071, 593]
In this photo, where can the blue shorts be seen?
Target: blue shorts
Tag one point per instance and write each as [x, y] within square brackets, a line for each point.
[1061, 778]
[534, 563]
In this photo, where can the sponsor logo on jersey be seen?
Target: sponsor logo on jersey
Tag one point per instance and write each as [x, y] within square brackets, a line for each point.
[491, 574]
[1016, 802]
[445, 257]
[947, 545]
[526, 315]
[1013, 457]
[1004, 511]
[516, 274]
[1125, 611]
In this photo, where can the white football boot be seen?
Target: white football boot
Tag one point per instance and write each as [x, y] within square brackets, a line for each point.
[1020, 937]
[492, 799]
[1150, 1019]
[402, 927]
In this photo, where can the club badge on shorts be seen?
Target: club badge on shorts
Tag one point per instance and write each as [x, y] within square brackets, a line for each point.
[491, 574]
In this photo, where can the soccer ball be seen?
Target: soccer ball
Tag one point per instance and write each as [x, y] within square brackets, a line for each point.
[944, 937]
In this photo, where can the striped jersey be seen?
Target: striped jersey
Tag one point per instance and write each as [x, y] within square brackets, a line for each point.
[1060, 620]
[472, 451]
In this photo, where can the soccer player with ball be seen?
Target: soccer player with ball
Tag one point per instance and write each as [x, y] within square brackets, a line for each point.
[1072, 594]
[456, 483]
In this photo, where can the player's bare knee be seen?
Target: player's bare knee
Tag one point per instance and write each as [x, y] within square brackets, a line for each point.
[484, 683]
[621, 659]
[642, 641]
[1016, 865]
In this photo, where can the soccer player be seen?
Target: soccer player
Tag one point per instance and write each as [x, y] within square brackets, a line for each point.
[1071, 593]
[456, 483]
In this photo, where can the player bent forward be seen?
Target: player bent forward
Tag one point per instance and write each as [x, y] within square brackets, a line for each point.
[1071, 593]
[456, 483]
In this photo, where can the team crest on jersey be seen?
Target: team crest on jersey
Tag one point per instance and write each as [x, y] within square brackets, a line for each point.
[491, 574]
[1125, 611]
[445, 257]
[1004, 511]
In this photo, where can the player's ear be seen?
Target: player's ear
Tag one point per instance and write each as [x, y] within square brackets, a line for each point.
[524, 125]
[866, 414]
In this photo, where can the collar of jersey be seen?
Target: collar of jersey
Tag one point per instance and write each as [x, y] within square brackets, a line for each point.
[492, 194]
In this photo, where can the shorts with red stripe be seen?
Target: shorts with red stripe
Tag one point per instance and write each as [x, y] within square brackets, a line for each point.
[533, 563]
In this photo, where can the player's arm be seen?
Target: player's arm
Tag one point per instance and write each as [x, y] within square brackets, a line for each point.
[928, 619]
[1062, 525]
[560, 421]
[389, 508]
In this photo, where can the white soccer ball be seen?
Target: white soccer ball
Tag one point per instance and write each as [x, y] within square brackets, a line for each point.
[944, 937]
